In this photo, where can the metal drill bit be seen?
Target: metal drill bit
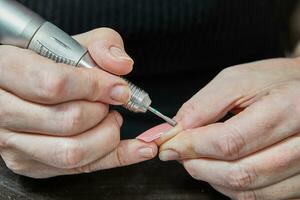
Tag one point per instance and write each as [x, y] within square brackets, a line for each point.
[167, 119]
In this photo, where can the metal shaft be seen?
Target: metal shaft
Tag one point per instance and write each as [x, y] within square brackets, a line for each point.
[159, 114]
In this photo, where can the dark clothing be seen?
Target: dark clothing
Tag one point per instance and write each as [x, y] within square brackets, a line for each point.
[178, 45]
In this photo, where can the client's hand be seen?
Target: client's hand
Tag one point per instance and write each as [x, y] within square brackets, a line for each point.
[256, 153]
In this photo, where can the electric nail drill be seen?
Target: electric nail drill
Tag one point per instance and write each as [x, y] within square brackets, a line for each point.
[23, 28]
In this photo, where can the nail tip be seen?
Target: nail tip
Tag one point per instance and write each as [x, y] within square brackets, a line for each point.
[154, 133]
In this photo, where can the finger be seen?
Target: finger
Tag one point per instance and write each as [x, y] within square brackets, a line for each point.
[237, 137]
[128, 152]
[235, 88]
[160, 134]
[43, 81]
[107, 49]
[68, 152]
[62, 120]
[20, 164]
[212, 102]
[259, 170]
[287, 189]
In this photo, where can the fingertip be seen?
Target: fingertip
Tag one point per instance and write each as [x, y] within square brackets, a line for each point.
[111, 58]
[169, 135]
[119, 61]
[107, 49]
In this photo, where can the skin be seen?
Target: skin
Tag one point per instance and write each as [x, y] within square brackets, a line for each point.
[54, 118]
[256, 153]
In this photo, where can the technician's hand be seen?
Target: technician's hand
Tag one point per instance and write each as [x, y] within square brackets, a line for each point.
[256, 153]
[54, 118]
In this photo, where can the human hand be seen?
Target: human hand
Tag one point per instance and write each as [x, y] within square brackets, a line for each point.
[254, 154]
[54, 118]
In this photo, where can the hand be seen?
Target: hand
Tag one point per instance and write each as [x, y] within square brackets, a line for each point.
[54, 118]
[256, 153]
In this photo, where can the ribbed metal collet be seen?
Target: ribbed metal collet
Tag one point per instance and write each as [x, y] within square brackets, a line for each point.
[139, 100]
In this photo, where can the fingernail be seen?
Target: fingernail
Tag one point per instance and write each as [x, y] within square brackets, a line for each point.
[120, 93]
[167, 155]
[119, 53]
[146, 152]
[154, 133]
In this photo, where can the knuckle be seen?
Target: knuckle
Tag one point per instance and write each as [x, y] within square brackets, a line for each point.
[230, 145]
[237, 69]
[229, 71]
[70, 154]
[188, 108]
[233, 73]
[51, 86]
[73, 120]
[241, 177]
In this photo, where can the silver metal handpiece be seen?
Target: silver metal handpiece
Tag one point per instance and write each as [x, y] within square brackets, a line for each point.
[21, 27]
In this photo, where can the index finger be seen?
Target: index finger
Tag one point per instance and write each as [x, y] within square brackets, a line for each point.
[40, 80]
[260, 125]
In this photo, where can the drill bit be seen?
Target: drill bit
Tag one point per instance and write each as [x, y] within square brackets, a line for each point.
[167, 119]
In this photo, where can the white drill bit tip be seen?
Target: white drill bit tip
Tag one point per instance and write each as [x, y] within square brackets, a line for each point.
[159, 114]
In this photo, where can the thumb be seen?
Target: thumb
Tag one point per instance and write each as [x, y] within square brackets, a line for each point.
[211, 103]
[107, 49]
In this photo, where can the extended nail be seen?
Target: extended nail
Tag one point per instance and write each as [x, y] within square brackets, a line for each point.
[154, 133]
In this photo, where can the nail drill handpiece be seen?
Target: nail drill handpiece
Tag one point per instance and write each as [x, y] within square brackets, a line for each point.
[21, 27]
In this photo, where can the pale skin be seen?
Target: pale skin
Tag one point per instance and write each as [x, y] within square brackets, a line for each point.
[256, 153]
[54, 118]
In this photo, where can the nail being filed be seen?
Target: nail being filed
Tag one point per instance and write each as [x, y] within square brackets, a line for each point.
[159, 114]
